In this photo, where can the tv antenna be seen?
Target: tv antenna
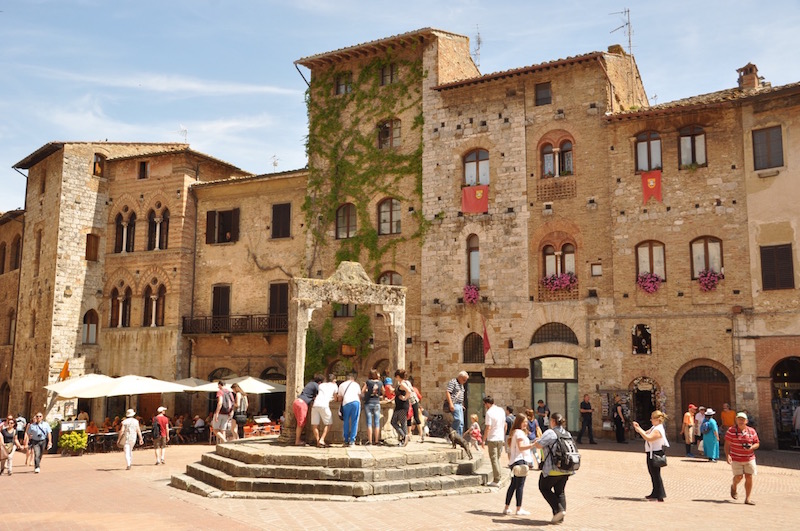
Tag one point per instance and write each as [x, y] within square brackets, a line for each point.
[184, 132]
[275, 160]
[628, 29]
[476, 55]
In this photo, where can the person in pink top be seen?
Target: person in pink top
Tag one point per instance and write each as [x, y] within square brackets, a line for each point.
[741, 442]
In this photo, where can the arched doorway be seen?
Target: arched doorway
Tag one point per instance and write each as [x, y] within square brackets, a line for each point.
[785, 398]
[646, 397]
[273, 404]
[555, 380]
[705, 386]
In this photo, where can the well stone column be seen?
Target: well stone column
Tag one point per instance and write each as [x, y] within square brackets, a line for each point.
[302, 310]
[396, 316]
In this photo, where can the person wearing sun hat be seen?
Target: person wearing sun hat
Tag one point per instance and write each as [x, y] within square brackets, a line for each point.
[128, 434]
[160, 442]
[710, 432]
[741, 442]
[687, 429]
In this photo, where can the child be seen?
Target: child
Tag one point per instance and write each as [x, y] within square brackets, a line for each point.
[475, 437]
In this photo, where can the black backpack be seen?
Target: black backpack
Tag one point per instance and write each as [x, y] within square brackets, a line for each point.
[564, 454]
[156, 428]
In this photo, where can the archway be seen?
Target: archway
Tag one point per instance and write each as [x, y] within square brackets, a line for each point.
[785, 399]
[554, 379]
[646, 397]
[704, 385]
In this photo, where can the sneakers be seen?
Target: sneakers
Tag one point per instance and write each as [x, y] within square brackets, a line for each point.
[493, 484]
[158, 462]
[36, 470]
[557, 518]
[523, 512]
[507, 511]
[733, 492]
[128, 467]
[690, 454]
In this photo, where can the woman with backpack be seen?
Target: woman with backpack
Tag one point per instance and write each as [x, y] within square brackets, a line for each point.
[710, 432]
[553, 480]
[655, 440]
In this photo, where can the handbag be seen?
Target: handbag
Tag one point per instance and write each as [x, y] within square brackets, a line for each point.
[700, 446]
[519, 471]
[3, 452]
[446, 407]
[659, 460]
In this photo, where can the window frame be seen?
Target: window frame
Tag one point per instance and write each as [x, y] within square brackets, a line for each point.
[393, 211]
[389, 134]
[341, 310]
[98, 165]
[546, 151]
[692, 132]
[548, 258]
[347, 210]
[389, 74]
[478, 154]
[343, 83]
[543, 94]
[562, 158]
[649, 138]
[651, 246]
[391, 277]
[89, 335]
[768, 145]
[92, 247]
[782, 256]
[220, 224]
[144, 170]
[706, 239]
[473, 252]
[281, 221]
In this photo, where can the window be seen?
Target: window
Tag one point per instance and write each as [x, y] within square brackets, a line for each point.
[89, 331]
[692, 146]
[120, 303]
[130, 240]
[476, 167]
[346, 221]
[37, 259]
[32, 331]
[565, 158]
[390, 278]
[144, 169]
[344, 310]
[548, 161]
[99, 165]
[543, 94]
[2, 258]
[554, 333]
[706, 255]
[153, 303]
[777, 267]
[648, 151]
[473, 348]
[92, 247]
[119, 234]
[549, 259]
[16, 249]
[344, 83]
[279, 298]
[282, 220]
[767, 148]
[641, 339]
[388, 134]
[650, 258]
[388, 74]
[151, 230]
[157, 230]
[43, 182]
[389, 216]
[222, 226]
[163, 233]
[473, 261]
[12, 327]
[567, 258]
[597, 270]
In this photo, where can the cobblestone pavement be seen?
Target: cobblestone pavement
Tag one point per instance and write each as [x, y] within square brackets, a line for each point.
[96, 492]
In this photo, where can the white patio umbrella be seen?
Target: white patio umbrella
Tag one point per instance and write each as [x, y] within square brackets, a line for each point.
[66, 389]
[130, 385]
[192, 382]
[249, 385]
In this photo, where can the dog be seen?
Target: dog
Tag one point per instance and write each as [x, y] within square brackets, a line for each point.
[457, 439]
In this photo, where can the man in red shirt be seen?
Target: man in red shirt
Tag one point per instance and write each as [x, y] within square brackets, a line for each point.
[160, 442]
[741, 442]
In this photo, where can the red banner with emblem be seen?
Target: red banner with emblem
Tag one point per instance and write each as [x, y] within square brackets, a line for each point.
[651, 185]
[475, 199]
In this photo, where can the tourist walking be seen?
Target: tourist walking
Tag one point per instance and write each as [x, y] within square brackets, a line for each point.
[542, 414]
[301, 405]
[655, 440]
[710, 432]
[350, 395]
[687, 429]
[586, 420]
[241, 403]
[400, 416]
[10, 444]
[223, 411]
[741, 442]
[619, 420]
[494, 435]
[159, 443]
[129, 432]
[454, 399]
[321, 409]
[372, 391]
[38, 438]
[552, 481]
[518, 443]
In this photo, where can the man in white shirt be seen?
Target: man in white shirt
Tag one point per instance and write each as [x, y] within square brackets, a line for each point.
[494, 435]
[321, 409]
[350, 394]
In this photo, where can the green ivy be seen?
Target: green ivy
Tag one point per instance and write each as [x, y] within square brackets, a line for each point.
[322, 347]
[347, 166]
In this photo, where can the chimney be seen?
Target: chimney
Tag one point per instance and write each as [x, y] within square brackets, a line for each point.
[748, 76]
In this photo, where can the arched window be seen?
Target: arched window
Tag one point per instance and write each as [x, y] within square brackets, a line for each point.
[565, 158]
[473, 348]
[163, 234]
[473, 261]
[476, 167]
[89, 331]
[12, 327]
[346, 221]
[131, 238]
[568, 258]
[389, 216]
[2, 258]
[648, 151]
[706, 255]
[113, 305]
[119, 234]
[37, 251]
[692, 146]
[151, 230]
[650, 258]
[554, 333]
[549, 260]
[121, 308]
[16, 249]
[126, 308]
[390, 278]
[99, 165]
[32, 331]
[548, 161]
[154, 305]
[388, 134]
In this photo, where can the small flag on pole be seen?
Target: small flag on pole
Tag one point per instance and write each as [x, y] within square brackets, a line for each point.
[486, 346]
[64, 374]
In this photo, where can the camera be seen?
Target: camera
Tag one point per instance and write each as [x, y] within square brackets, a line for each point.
[747, 446]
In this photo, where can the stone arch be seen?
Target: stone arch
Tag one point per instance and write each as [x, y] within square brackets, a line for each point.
[147, 276]
[377, 355]
[677, 408]
[554, 332]
[124, 275]
[157, 197]
[555, 137]
[119, 207]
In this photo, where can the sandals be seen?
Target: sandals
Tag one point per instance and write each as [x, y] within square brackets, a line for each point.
[733, 493]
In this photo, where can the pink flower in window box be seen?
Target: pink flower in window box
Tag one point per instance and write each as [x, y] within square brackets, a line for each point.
[471, 294]
[649, 282]
[708, 279]
[560, 282]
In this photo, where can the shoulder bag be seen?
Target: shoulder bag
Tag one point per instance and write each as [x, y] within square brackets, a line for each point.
[659, 460]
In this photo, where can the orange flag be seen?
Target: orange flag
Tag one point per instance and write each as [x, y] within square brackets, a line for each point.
[475, 199]
[651, 185]
[64, 374]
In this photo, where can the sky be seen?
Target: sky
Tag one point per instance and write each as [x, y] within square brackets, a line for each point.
[221, 74]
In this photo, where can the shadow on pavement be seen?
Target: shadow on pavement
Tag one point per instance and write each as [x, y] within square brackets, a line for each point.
[516, 520]
[622, 498]
[720, 502]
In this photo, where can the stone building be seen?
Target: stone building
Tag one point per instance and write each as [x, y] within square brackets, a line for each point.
[11, 224]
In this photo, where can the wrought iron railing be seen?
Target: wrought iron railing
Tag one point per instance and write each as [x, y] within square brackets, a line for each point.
[237, 324]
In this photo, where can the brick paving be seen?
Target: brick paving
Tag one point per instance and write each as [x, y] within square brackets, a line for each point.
[96, 492]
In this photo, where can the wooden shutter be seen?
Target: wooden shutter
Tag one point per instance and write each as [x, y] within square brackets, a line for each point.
[211, 226]
[221, 304]
[235, 225]
[279, 298]
[281, 220]
[777, 268]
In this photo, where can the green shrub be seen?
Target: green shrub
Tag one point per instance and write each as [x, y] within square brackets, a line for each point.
[73, 440]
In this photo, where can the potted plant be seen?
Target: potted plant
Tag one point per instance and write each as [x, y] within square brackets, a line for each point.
[73, 442]
[649, 282]
[560, 281]
[471, 294]
[708, 279]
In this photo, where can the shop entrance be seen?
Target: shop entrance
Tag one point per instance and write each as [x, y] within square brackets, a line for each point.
[473, 397]
[644, 395]
[705, 386]
[785, 399]
[555, 380]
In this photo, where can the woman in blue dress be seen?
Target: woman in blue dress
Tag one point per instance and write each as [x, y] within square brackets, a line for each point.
[710, 432]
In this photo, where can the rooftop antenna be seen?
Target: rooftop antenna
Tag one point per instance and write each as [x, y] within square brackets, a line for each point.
[476, 55]
[185, 132]
[275, 160]
[628, 29]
